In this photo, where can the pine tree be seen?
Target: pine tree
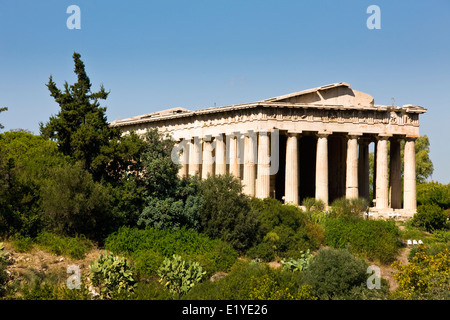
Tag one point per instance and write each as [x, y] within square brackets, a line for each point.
[80, 128]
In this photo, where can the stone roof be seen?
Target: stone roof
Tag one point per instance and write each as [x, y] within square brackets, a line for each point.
[333, 96]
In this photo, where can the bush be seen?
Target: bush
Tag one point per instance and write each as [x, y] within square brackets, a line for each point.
[264, 251]
[286, 229]
[429, 217]
[73, 247]
[344, 207]
[25, 162]
[433, 193]
[147, 262]
[374, 239]
[299, 264]
[424, 277]
[333, 273]
[170, 213]
[133, 242]
[226, 213]
[22, 243]
[180, 276]
[251, 280]
[112, 275]
[73, 203]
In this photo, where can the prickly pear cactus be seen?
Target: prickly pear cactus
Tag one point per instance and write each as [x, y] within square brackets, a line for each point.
[179, 276]
[113, 275]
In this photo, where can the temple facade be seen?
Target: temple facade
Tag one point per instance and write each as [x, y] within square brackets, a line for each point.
[311, 143]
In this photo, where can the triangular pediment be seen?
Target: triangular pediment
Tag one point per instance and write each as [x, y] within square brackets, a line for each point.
[334, 94]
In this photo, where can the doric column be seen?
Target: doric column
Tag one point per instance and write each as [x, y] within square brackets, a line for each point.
[232, 140]
[363, 169]
[249, 163]
[221, 162]
[382, 180]
[207, 159]
[292, 170]
[322, 168]
[195, 156]
[395, 174]
[184, 157]
[263, 167]
[351, 178]
[409, 197]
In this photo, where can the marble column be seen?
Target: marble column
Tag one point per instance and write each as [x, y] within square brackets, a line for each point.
[395, 175]
[351, 180]
[292, 169]
[184, 157]
[382, 179]
[249, 164]
[207, 158]
[234, 161]
[221, 162]
[195, 156]
[409, 183]
[263, 166]
[322, 168]
[363, 169]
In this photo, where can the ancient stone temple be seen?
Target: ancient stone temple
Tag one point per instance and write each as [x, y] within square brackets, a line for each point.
[312, 143]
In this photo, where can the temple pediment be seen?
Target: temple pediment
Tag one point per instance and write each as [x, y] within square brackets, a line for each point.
[336, 102]
[333, 94]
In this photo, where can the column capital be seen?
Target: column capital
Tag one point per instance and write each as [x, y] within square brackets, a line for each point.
[409, 138]
[207, 137]
[323, 134]
[354, 135]
[383, 137]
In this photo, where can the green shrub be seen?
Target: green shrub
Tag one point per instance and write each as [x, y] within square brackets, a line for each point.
[299, 264]
[253, 281]
[344, 207]
[73, 203]
[333, 273]
[170, 213]
[433, 193]
[39, 291]
[374, 239]
[425, 277]
[264, 251]
[22, 243]
[147, 262]
[313, 205]
[180, 276]
[113, 275]
[213, 255]
[286, 229]
[226, 213]
[72, 247]
[151, 290]
[430, 217]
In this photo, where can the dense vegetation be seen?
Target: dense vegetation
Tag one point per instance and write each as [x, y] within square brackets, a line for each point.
[80, 185]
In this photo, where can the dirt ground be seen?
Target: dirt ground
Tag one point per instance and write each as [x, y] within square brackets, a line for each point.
[38, 263]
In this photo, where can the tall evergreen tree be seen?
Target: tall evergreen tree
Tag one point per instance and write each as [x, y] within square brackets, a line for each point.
[80, 128]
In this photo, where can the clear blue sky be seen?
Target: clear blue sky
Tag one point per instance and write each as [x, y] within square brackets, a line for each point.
[154, 55]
